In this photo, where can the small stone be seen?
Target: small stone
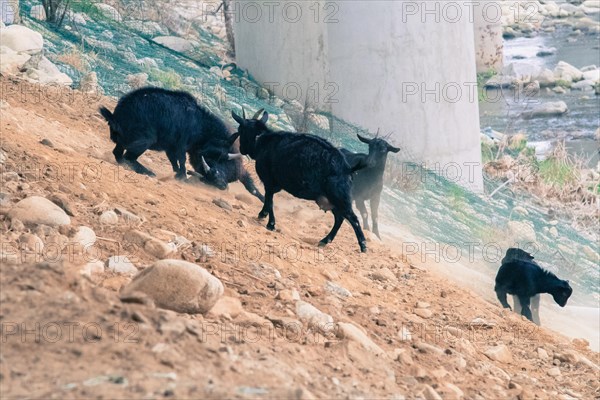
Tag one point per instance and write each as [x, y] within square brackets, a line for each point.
[554, 372]
[128, 216]
[337, 289]
[288, 295]
[85, 236]
[405, 334]
[47, 142]
[91, 268]
[57, 241]
[9, 176]
[159, 249]
[423, 312]
[429, 348]
[422, 304]
[352, 332]
[403, 356]
[223, 204]
[542, 354]
[227, 306]
[384, 274]
[122, 265]
[499, 353]
[109, 218]
[450, 391]
[31, 243]
[16, 225]
[568, 356]
[314, 317]
[430, 394]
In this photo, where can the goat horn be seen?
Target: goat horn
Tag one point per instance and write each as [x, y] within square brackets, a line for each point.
[258, 113]
[234, 156]
[194, 173]
[205, 165]
[243, 112]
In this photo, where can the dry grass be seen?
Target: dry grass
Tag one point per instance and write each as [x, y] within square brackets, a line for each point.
[76, 59]
[559, 182]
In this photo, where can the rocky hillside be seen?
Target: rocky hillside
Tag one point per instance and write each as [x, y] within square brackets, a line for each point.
[88, 310]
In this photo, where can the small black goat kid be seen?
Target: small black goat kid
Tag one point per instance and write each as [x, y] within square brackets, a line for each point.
[304, 165]
[522, 277]
[173, 121]
[368, 182]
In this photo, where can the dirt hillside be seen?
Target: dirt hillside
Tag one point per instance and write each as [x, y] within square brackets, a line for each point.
[398, 330]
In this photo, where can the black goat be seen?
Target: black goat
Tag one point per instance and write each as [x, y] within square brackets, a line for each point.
[368, 182]
[304, 165]
[522, 277]
[173, 121]
[225, 169]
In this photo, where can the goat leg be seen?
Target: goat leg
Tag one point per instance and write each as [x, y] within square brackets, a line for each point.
[502, 297]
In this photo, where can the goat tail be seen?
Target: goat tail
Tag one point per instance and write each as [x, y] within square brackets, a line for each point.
[114, 127]
[108, 116]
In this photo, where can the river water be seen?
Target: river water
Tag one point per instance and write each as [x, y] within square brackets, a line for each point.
[500, 109]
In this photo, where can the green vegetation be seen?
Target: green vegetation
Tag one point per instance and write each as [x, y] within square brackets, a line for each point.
[557, 171]
[88, 7]
[482, 78]
[517, 143]
[563, 83]
[168, 78]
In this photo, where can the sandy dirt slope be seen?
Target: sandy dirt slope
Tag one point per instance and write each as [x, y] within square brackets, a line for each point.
[459, 346]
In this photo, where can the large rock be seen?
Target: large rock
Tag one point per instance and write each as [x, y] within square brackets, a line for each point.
[174, 43]
[46, 72]
[20, 38]
[38, 12]
[567, 72]
[500, 81]
[522, 71]
[314, 317]
[545, 78]
[178, 285]
[549, 109]
[109, 11]
[38, 210]
[584, 85]
[12, 62]
[592, 75]
[521, 231]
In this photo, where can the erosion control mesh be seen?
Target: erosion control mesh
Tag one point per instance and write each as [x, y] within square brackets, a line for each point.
[465, 226]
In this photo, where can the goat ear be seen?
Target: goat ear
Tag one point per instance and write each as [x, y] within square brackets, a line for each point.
[233, 138]
[265, 117]
[237, 118]
[363, 139]
[393, 149]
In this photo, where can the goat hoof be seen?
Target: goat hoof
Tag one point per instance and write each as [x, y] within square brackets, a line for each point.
[262, 215]
[323, 243]
[363, 248]
[271, 227]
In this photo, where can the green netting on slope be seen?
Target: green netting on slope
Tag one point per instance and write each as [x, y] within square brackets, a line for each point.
[440, 212]
[115, 50]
